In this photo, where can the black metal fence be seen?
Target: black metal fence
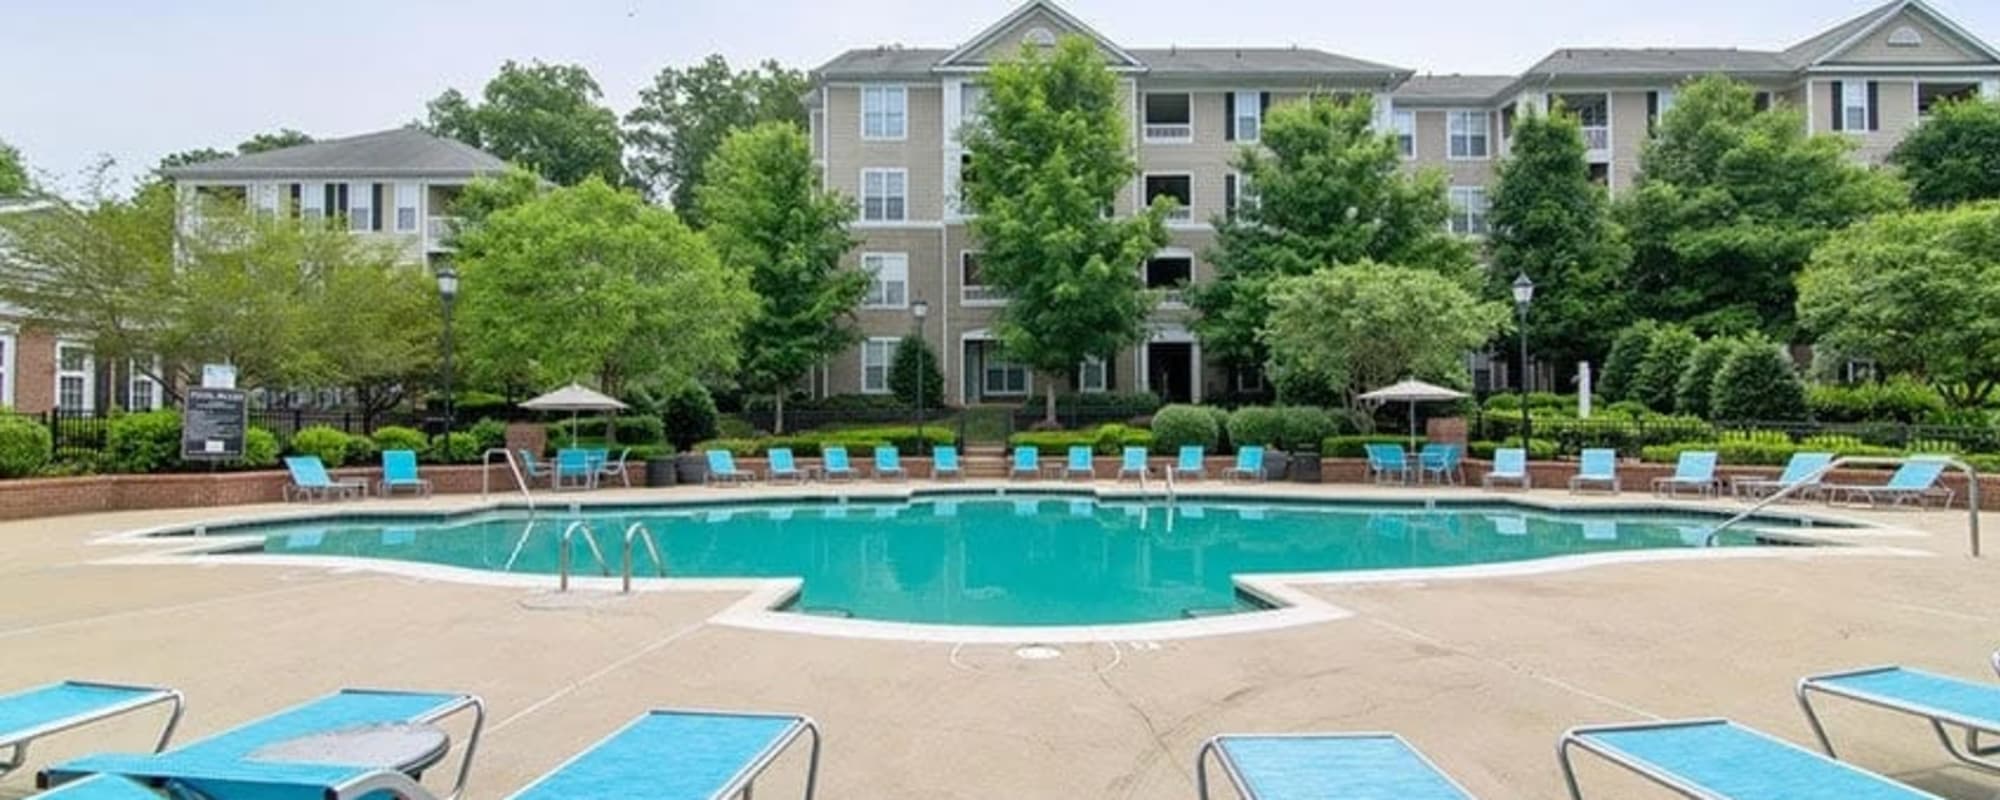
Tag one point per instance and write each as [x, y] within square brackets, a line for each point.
[73, 430]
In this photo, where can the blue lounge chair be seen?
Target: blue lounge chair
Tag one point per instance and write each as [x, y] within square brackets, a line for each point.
[1510, 464]
[1324, 765]
[1696, 470]
[1599, 467]
[1386, 460]
[100, 787]
[1133, 463]
[1249, 464]
[31, 714]
[310, 481]
[574, 469]
[722, 469]
[671, 753]
[889, 463]
[1715, 759]
[399, 471]
[1945, 702]
[1079, 462]
[240, 763]
[944, 461]
[1913, 482]
[1028, 459]
[615, 468]
[1190, 464]
[1443, 463]
[783, 466]
[533, 470]
[834, 463]
[1804, 471]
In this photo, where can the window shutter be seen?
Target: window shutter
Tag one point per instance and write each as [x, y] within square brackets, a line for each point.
[1263, 104]
[1229, 116]
[1839, 109]
[1229, 194]
[1652, 110]
[1874, 112]
[380, 195]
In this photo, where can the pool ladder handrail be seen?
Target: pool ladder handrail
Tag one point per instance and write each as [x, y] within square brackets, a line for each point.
[513, 468]
[1168, 473]
[641, 532]
[564, 556]
[1812, 480]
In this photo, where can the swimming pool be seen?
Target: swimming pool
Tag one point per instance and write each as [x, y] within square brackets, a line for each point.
[1013, 560]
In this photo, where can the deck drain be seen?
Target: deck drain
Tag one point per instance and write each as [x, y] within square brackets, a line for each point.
[1037, 652]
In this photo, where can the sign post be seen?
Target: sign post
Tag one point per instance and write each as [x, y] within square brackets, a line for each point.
[213, 424]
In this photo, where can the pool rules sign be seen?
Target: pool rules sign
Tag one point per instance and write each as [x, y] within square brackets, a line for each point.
[213, 424]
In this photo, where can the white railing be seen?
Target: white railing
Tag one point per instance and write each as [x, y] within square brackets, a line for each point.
[982, 294]
[1173, 297]
[1180, 214]
[438, 232]
[1174, 132]
[1596, 137]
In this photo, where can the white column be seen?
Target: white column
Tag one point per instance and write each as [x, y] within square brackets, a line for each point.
[1990, 88]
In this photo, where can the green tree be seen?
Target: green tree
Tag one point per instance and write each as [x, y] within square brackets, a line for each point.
[1697, 382]
[916, 367]
[276, 140]
[1621, 365]
[683, 118]
[1918, 292]
[1550, 220]
[592, 282]
[372, 327]
[1329, 190]
[771, 222]
[546, 117]
[1365, 325]
[1052, 155]
[1659, 373]
[186, 158]
[1731, 202]
[1757, 382]
[1954, 157]
[244, 291]
[13, 172]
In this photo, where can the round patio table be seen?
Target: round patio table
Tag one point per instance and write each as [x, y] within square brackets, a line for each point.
[408, 748]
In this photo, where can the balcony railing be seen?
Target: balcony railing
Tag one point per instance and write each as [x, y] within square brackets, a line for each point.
[438, 232]
[1180, 213]
[1169, 132]
[986, 295]
[1596, 137]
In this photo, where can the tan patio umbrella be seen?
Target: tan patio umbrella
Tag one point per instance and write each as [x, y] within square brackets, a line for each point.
[1413, 392]
[574, 398]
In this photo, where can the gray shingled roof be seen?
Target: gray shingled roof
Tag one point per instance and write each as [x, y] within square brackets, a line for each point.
[1817, 47]
[1453, 88]
[1179, 61]
[402, 152]
[883, 62]
[1648, 61]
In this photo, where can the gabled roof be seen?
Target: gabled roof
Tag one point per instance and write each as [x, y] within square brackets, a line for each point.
[402, 152]
[880, 62]
[1275, 61]
[1650, 61]
[1452, 88]
[1837, 39]
[962, 56]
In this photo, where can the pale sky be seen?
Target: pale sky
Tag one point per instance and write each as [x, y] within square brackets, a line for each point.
[136, 79]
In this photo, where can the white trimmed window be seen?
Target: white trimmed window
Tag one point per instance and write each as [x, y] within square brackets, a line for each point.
[264, 198]
[1249, 121]
[1468, 210]
[1854, 105]
[361, 206]
[312, 201]
[7, 369]
[142, 393]
[74, 367]
[888, 280]
[406, 208]
[971, 102]
[885, 195]
[885, 112]
[972, 285]
[876, 356]
[1003, 378]
[1405, 123]
[1169, 117]
[1467, 134]
[1092, 376]
[1180, 187]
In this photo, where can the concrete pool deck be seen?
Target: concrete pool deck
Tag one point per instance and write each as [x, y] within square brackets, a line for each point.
[1482, 673]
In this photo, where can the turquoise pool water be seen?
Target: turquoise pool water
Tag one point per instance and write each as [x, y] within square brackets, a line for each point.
[1013, 559]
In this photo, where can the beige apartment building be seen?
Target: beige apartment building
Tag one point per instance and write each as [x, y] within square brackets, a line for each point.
[885, 131]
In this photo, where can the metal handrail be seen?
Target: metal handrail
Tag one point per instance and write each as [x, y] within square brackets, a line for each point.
[563, 555]
[513, 467]
[639, 530]
[1170, 484]
[1812, 480]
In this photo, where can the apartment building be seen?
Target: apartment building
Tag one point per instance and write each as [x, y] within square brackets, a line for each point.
[885, 131]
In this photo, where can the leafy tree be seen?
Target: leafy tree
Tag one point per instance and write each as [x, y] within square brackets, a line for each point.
[1366, 325]
[1918, 292]
[592, 282]
[244, 291]
[278, 140]
[373, 327]
[13, 172]
[491, 193]
[187, 158]
[916, 366]
[1697, 382]
[1659, 373]
[683, 118]
[1053, 156]
[1954, 157]
[546, 117]
[1757, 382]
[771, 222]
[1551, 221]
[1330, 190]
[1621, 366]
[1731, 202]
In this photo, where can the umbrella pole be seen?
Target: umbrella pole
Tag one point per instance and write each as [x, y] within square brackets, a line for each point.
[1413, 424]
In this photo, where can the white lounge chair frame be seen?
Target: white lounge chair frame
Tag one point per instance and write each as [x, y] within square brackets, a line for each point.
[1972, 753]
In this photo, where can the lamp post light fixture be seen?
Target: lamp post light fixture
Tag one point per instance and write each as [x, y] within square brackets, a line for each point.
[1524, 293]
[447, 279]
[918, 310]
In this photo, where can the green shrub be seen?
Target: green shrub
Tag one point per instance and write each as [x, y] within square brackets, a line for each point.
[1357, 446]
[73, 461]
[1696, 383]
[1304, 427]
[914, 375]
[742, 448]
[1505, 403]
[1841, 444]
[461, 447]
[1256, 425]
[1223, 443]
[1539, 449]
[1732, 449]
[397, 437]
[144, 442]
[1940, 446]
[1757, 382]
[860, 442]
[1621, 365]
[260, 448]
[24, 446]
[1179, 425]
[1121, 404]
[629, 429]
[1104, 439]
[330, 444]
[1630, 409]
[689, 415]
[1658, 376]
[1899, 399]
[490, 432]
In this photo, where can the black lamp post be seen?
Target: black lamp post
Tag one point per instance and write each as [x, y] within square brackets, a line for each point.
[1524, 293]
[447, 278]
[918, 310]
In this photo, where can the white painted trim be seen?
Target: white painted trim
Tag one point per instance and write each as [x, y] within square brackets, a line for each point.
[887, 367]
[1906, 5]
[88, 373]
[861, 100]
[1415, 148]
[1192, 131]
[1486, 116]
[1146, 202]
[10, 366]
[1812, 107]
[863, 191]
[825, 138]
[885, 255]
[1235, 123]
[984, 37]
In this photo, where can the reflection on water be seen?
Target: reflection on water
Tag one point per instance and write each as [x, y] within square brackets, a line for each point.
[1052, 560]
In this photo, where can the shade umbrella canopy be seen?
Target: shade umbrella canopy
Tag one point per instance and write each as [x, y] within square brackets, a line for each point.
[1413, 392]
[574, 398]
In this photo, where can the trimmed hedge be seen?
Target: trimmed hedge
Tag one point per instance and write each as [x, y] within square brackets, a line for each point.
[330, 444]
[1108, 440]
[860, 442]
[1538, 449]
[1901, 398]
[631, 428]
[1258, 425]
[24, 446]
[1179, 425]
[1357, 446]
[460, 448]
[144, 442]
[260, 448]
[397, 437]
